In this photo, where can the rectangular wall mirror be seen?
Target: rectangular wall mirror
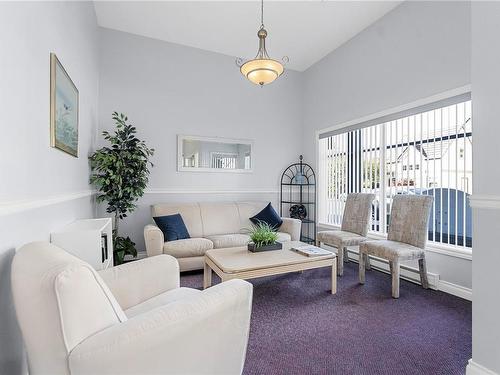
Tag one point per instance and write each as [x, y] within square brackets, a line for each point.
[205, 154]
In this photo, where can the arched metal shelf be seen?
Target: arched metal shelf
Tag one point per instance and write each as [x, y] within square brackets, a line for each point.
[298, 197]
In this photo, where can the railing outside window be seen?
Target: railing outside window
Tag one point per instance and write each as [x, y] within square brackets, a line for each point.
[427, 153]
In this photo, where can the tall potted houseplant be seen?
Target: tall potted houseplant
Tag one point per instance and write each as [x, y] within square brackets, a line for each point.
[120, 172]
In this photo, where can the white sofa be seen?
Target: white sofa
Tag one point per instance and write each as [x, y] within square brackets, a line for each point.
[211, 225]
[130, 319]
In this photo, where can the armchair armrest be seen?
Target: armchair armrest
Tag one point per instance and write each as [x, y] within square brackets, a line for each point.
[203, 334]
[135, 282]
[292, 227]
[153, 237]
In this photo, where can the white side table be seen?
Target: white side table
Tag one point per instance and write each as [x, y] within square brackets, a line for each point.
[88, 239]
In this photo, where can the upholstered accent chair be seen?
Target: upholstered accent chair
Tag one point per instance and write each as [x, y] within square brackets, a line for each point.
[405, 241]
[130, 319]
[355, 223]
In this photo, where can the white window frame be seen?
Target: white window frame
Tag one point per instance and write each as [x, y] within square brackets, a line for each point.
[439, 248]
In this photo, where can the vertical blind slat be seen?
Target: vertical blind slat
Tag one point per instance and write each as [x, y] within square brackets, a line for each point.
[426, 153]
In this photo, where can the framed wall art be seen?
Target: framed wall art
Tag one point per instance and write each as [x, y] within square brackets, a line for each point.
[63, 109]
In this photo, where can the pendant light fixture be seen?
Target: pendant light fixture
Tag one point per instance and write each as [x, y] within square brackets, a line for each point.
[262, 70]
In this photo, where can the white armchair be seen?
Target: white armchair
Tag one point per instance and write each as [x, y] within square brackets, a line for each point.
[130, 319]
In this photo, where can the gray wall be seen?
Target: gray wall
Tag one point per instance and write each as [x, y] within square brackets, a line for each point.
[168, 89]
[34, 175]
[485, 102]
[417, 50]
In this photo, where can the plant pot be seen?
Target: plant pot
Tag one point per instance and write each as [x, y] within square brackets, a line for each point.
[273, 246]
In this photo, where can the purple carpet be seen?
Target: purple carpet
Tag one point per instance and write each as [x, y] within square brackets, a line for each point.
[298, 327]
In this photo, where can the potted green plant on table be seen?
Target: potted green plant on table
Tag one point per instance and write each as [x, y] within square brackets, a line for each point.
[263, 238]
[120, 172]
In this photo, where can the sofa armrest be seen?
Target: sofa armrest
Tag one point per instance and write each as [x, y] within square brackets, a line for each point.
[292, 227]
[153, 237]
[203, 334]
[135, 282]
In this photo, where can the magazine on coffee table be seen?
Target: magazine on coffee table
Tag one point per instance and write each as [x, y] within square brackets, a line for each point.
[311, 251]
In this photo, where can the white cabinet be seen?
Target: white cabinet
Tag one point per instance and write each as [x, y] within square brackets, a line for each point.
[89, 239]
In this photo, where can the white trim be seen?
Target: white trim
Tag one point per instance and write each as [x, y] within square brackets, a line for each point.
[474, 368]
[449, 250]
[455, 289]
[443, 249]
[485, 201]
[13, 207]
[211, 191]
[412, 274]
[407, 273]
[417, 103]
[213, 170]
[476, 201]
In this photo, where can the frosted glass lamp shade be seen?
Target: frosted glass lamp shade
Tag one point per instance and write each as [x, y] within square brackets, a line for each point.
[262, 71]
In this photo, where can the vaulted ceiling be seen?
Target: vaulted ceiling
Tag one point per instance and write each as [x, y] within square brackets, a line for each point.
[305, 31]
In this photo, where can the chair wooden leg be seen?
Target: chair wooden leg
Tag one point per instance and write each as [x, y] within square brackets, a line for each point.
[423, 273]
[368, 266]
[361, 268]
[346, 255]
[340, 261]
[394, 266]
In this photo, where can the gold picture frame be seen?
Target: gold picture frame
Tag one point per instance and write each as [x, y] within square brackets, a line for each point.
[64, 109]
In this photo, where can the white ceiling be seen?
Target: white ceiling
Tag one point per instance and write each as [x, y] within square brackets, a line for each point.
[305, 31]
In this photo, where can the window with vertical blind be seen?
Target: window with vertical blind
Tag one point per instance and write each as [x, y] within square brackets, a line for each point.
[426, 150]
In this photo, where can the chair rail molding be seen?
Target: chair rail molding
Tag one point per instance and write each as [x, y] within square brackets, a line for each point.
[474, 368]
[485, 201]
[13, 207]
[17, 206]
[202, 190]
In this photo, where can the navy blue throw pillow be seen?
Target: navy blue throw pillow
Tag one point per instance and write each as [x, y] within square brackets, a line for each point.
[172, 226]
[268, 215]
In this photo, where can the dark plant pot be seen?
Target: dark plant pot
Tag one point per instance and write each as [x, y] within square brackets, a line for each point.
[273, 246]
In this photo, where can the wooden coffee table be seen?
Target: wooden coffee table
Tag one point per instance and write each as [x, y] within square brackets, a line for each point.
[239, 263]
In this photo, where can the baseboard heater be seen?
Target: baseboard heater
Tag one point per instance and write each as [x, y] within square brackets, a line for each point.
[407, 273]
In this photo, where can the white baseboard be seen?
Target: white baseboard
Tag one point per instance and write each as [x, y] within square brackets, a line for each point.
[412, 274]
[474, 368]
[406, 273]
[456, 290]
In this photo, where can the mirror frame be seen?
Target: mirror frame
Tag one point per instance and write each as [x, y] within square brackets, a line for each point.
[181, 168]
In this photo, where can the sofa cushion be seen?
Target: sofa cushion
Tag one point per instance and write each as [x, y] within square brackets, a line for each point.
[172, 226]
[229, 240]
[391, 250]
[161, 300]
[190, 247]
[269, 216]
[340, 238]
[219, 218]
[190, 213]
[283, 237]
[247, 210]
